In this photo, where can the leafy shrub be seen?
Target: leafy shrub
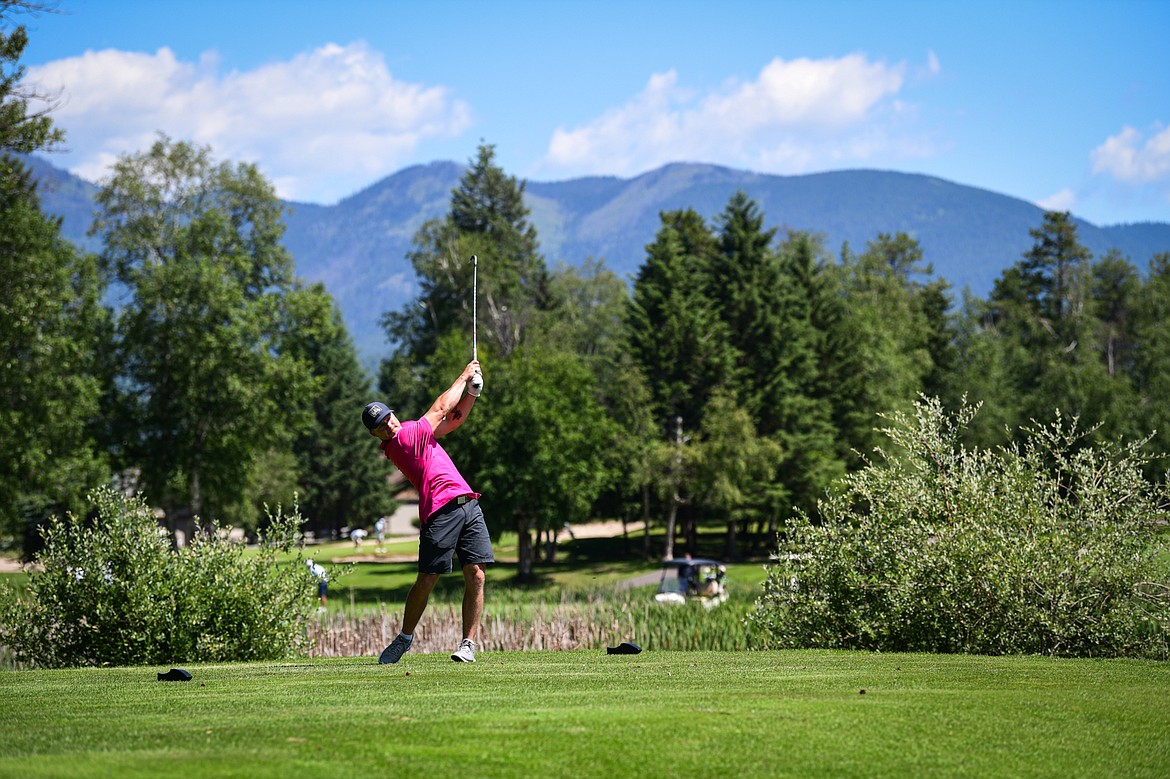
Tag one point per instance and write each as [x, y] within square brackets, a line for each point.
[113, 592]
[1054, 545]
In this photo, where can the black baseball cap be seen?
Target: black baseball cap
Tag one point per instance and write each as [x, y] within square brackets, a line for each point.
[375, 414]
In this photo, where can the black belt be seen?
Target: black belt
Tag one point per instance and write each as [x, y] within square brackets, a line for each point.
[454, 503]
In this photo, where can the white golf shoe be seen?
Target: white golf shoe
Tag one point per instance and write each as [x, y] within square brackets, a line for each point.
[465, 653]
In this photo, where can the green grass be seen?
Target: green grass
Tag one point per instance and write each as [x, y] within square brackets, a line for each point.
[583, 566]
[586, 714]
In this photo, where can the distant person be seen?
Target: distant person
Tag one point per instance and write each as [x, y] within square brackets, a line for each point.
[686, 573]
[452, 522]
[357, 534]
[380, 530]
[322, 583]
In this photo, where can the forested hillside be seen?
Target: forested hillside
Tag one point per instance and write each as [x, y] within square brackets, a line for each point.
[358, 247]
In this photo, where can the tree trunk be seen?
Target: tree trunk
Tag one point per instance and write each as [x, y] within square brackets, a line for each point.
[671, 518]
[675, 498]
[646, 523]
[524, 564]
[729, 551]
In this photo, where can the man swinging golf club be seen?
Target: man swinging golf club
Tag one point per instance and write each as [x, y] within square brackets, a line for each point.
[452, 522]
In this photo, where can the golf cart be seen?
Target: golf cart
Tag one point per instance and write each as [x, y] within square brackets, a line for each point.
[696, 579]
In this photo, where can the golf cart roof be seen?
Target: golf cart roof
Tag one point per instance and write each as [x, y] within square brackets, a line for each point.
[677, 561]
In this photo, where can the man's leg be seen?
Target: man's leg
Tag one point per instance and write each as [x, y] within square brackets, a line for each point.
[473, 578]
[416, 601]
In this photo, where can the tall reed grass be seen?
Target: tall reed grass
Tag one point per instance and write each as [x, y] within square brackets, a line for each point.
[569, 620]
[587, 623]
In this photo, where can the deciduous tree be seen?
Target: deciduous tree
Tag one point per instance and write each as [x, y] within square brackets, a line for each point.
[54, 333]
[204, 384]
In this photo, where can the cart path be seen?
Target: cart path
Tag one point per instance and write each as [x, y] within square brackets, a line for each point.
[608, 529]
[592, 530]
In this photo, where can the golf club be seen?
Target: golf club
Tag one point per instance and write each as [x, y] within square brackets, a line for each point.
[476, 380]
[474, 295]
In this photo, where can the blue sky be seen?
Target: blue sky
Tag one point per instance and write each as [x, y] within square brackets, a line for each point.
[1066, 104]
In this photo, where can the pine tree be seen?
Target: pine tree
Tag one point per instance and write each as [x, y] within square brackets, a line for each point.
[1152, 360]
[54, 332]
[675, 333]
[340, 472]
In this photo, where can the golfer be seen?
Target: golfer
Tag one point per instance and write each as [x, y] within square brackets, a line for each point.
[452, 522]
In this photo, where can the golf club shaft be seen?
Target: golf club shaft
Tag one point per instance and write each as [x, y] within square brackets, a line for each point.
[474, 296]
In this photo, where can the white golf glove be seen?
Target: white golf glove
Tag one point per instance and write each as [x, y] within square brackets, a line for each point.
[475, 386]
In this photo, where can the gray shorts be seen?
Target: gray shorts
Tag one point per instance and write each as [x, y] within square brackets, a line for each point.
[456, 528]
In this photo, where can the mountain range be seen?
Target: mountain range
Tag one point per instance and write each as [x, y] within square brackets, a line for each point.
[358, 247]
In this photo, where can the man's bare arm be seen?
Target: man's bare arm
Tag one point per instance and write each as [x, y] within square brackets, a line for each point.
[451, 408]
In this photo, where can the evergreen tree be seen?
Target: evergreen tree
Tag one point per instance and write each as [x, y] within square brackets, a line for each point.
[986, 374]
[891, 329]
[762, 296]
[53, 328]
[674, 330]
[25, 124]
[840, 370]
[1152, 361]
[487, 219]
[1043, 302]
[1115, 287]
[54, 332]
[814, 377]
[340, 472]
[1052, 274]
[745, 290]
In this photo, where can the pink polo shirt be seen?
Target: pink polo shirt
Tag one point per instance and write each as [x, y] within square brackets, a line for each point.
[427, 465]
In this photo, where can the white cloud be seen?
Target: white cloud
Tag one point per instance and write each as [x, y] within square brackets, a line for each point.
[1131, 158]
[933, 64]
[320, 126]
[1064, 200]
[796, 116]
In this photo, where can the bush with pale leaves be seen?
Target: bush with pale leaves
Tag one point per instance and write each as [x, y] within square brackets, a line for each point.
[1055, 545]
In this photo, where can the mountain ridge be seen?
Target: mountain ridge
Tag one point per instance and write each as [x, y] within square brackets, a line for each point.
[358, 247]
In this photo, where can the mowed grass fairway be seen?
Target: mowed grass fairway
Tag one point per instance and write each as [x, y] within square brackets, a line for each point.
[588, 714]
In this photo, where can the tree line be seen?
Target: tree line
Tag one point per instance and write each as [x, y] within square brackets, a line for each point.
[744, 372]
[734, 380]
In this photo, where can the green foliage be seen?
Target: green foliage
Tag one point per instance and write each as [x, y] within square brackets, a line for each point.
[23, 128]
[674, 330]
[737, 467]
[54, 333]
[893, 319]
[113, 592]
[51, 320]
[1049, 546]
[589, 303]
[488, 219]
[1151, 372]
[800, 395]
[338, 480]
[540, 441]
[205, 384]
